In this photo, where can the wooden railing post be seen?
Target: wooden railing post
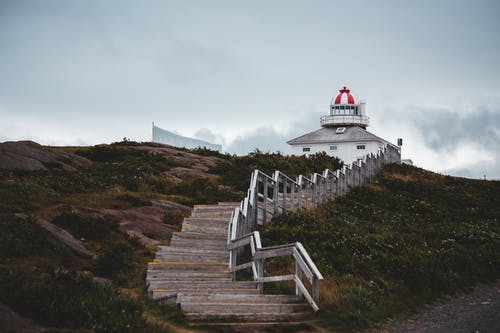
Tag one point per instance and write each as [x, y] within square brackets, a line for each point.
[260, 273]
[264, 213]
[232, 263]
[299, 199]
[255, 209]
[314, 189]
[276, 196]
[298, 274]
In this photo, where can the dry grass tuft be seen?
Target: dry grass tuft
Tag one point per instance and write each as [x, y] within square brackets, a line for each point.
[329, 291]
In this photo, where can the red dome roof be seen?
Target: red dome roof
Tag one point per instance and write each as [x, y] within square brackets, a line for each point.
[344, 97]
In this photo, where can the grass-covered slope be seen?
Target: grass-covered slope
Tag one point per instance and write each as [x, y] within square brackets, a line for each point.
[391, 246]
[385, 249]
[43, 279]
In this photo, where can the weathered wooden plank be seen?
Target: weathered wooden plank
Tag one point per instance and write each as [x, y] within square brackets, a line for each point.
[240, 242]
[300, 262]
[276, 278]
[242, 266]
[309, 261]
[306, 294]
[279, 252]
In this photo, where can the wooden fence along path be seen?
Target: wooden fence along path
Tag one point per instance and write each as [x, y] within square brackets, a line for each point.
[198, 269]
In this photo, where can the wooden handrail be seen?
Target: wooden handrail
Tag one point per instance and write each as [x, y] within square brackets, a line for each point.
[301, 193]
[303, 263]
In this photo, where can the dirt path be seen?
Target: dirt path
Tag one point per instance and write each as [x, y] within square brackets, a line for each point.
[477, 311]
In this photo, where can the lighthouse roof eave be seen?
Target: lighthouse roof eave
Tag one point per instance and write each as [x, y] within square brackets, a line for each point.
[329, 135]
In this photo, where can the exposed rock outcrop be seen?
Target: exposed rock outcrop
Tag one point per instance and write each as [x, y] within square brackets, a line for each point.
[64, 236]
[30, 156]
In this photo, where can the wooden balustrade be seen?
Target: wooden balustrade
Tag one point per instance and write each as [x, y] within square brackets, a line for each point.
[270, 195]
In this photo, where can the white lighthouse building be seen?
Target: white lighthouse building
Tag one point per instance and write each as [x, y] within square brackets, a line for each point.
[343, 132]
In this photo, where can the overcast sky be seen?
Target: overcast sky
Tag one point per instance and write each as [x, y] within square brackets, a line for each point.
[253, 74]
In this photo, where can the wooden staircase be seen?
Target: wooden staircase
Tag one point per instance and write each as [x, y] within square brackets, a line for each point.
[194, 270]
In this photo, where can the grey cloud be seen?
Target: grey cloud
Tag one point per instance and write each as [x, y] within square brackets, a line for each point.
[108, 68]
[489, 169]
[264, 138]
[445, 129]
[205, 134]
[269, 139]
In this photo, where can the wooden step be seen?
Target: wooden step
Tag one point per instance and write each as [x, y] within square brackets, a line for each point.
[173, 280]
[165, 293]
[199, 245]
[240, 299]
[174, 249]
[188, 227]
[212, 214]
[202, 286]
[199, 257]
[199, 236]
[254, 308]
[187, 276]
[247, 317]
[219, 220]
[213, 208]
[207, 222]
[231, 204]
[191, 266]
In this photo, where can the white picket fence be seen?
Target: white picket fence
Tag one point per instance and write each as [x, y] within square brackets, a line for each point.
[270, 195]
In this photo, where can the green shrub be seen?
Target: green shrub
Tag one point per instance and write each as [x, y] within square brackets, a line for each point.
[197, 191]
[175, 217]
[24, 237]
[236, 170]
[113, 259]
[90, 227]
[25, 197]
[67, 299]
[119, 257]
[134, 200]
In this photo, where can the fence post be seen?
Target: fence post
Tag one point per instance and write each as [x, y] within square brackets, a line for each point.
[264, 213]
[276, 195]
[314, 188]
[260, 274]
[298, 274]
[299, 199]
[334, 186]
[255, 220]
[232, 265]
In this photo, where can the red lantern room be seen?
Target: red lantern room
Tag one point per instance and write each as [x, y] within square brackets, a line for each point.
[346, 111]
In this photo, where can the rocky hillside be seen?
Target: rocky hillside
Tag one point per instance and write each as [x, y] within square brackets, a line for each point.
[30, 156]
[77, 226]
